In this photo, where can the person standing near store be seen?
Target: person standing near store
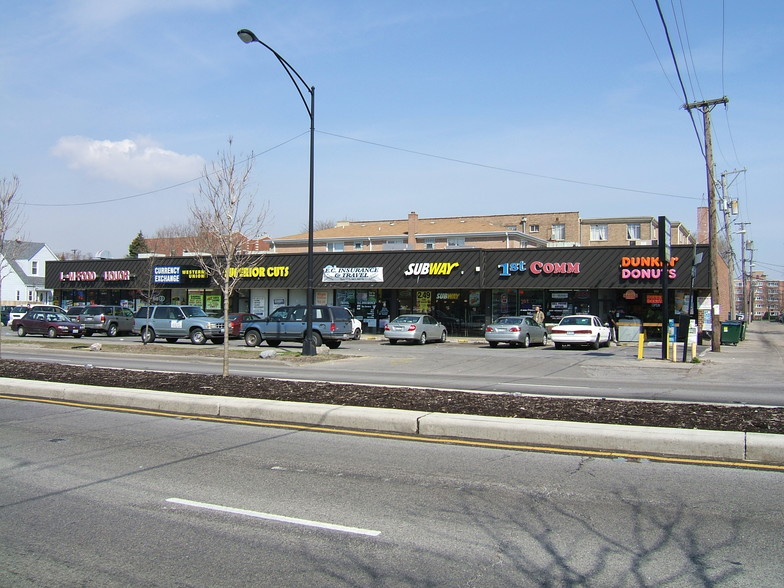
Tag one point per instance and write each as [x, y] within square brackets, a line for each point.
[613, 324]
[539, 316]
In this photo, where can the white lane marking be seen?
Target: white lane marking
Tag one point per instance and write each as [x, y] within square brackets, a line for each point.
[278, 518]
[542, 386]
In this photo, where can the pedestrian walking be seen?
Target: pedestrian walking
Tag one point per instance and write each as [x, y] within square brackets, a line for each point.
[539, 315]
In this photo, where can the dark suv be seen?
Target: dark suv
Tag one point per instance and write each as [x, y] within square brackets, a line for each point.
[331, 326]
[111, 320]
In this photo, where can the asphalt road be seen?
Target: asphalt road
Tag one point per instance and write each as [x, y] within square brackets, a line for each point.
[98, 498]
[750, 373]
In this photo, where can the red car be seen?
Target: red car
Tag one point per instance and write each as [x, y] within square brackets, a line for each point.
[50, 324]
[235, 322]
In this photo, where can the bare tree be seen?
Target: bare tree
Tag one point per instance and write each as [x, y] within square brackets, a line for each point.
[224, 214]
[10, 223]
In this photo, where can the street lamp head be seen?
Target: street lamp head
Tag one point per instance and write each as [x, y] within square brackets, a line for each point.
[247, 36]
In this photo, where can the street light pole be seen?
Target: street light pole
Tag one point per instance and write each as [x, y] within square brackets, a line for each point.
[247, 36]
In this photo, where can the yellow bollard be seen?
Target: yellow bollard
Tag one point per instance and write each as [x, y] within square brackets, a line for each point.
[641, 346]
[674, 355]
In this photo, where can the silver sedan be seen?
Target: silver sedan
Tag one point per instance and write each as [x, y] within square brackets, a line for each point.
[515, 330]
[415, 328]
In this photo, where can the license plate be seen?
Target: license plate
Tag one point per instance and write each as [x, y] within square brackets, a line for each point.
[570, 332]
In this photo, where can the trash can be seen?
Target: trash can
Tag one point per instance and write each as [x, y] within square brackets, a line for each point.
[742, 330]
[730, 332]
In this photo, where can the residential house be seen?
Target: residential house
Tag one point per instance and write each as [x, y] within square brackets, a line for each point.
[23, 269]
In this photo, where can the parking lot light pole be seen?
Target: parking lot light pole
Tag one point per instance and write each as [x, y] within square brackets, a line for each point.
[247, 36]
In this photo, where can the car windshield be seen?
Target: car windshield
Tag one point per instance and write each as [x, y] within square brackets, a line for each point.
[193, 311]
[576, 320]
[510, 320]
[56, 316]
[407, 318]
[94, 310]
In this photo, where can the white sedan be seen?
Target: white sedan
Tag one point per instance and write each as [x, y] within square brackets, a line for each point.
[580, 329]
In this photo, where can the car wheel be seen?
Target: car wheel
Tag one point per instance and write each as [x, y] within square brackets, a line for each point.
[332, 344]
[595, 344]
[423, 339]
[545, 341]
[78, 336]
[51, 333]
[171, 339]
[527, 341]
[316, 339]
[443, 337]
[273, 342]
[357, 334]
[111, 330]
[197, 337]
[558, 345]
[148, 335]
[393, 341]
[88, 333]
[20, 330]
[493, 343]
[252, 338]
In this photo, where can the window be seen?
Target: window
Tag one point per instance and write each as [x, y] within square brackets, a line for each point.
[633, 232]
[430, 243]
[598, 232]
[559, 233]
[357, 245]
[533, 228]
[33, 268]
[455, 242]
[336, 246]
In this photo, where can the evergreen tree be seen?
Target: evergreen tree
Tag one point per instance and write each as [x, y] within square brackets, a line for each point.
[137, 246]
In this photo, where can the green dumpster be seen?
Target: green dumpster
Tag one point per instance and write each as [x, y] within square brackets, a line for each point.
[730, 332]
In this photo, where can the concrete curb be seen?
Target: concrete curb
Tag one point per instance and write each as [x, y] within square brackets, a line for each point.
[715, 445]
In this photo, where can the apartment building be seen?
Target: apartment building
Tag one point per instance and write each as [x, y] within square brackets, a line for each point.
[509, 231]
[763, 297]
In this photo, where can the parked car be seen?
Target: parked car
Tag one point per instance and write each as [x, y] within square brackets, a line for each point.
[331, 325]
[50, 324]
[174, 322]
[415, 328]
[74, 312]
[235, 322]
[580, 329]
[19, 311]
[356, 326]
[5, 312]
[516, 331]
[111, 320]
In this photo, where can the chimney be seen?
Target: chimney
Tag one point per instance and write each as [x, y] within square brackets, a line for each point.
[413, 228]
[702, 225]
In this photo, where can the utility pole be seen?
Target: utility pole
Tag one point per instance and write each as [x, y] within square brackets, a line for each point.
[729, 210]
[706, 106]
[742, 234]
[750, 245]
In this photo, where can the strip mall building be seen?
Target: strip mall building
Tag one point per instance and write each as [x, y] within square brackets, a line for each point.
[464, 288]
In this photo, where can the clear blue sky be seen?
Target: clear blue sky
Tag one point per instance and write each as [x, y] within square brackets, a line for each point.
[111, 108]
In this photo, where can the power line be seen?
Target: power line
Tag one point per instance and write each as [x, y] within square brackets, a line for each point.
[680, 79]
[507, 170]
